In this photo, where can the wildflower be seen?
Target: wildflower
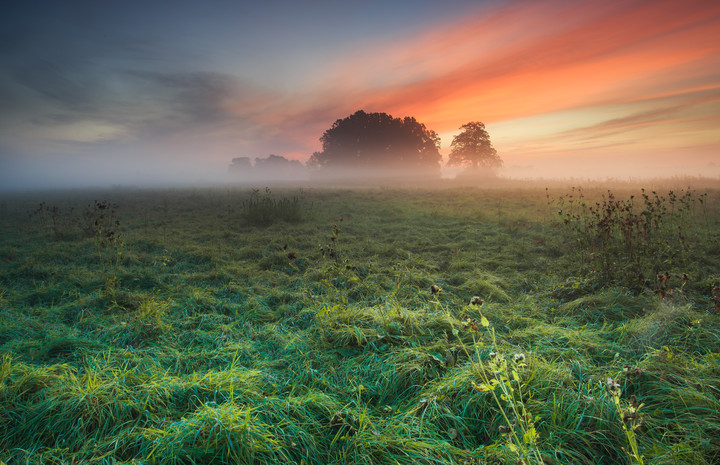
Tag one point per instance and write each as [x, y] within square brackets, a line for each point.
[519, 358]
[476, 301]
[435, 289]
[613, 386]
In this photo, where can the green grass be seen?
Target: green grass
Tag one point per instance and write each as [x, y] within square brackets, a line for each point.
[305, 331]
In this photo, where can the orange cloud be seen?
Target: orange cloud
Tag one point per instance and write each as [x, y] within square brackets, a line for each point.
[588, 58]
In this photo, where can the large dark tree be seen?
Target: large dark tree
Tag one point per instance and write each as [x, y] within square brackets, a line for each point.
[377, 140]
[473, 147]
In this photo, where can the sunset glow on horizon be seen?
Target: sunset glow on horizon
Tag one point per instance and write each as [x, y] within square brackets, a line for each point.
[582, 89]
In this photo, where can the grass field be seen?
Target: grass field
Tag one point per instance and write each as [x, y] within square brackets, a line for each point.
[301, 326]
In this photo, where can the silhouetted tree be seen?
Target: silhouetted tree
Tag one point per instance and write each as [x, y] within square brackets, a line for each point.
[377, 140]
[473, 147]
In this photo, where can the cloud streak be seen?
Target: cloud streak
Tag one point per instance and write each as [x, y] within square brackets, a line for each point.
[583, 55]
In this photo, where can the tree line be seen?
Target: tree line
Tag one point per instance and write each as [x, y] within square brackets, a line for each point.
[379, 142]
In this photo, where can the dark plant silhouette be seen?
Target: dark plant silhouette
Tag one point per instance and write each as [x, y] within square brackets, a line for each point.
[54, 219]
[67, 223]
[627, 241]
[265, 209]
[108, 243]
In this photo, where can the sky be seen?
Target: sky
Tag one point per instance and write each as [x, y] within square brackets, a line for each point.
[132, 92]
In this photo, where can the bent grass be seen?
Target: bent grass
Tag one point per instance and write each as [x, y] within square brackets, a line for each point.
[227, 342]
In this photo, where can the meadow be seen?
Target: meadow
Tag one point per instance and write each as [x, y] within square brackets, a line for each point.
[370, 326]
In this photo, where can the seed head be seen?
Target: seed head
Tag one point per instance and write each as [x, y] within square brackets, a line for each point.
[613, 386]
[476, 301]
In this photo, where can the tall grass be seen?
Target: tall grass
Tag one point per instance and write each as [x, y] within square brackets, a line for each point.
[264, 209]
[631, 241]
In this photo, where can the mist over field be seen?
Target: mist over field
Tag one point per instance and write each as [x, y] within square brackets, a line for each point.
[88, 172]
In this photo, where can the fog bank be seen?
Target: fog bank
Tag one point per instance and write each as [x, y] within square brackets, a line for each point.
[29, 174]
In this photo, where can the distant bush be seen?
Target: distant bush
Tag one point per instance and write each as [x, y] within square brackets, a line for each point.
[264, 209]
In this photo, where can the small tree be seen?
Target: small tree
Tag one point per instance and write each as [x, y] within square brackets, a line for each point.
[473, 147]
